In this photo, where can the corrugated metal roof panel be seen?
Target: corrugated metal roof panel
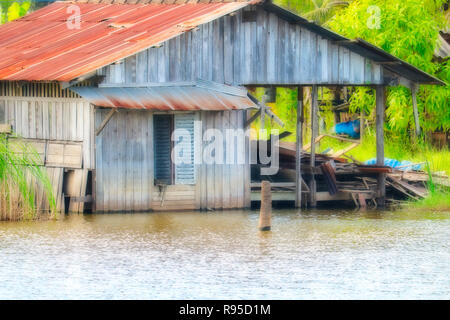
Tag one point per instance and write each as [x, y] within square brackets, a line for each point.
[168, 97]
[40, 46]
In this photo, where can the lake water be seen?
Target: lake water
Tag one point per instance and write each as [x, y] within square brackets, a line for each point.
[222, 255]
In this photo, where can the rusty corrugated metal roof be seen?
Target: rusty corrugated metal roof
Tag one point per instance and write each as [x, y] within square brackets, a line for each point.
[185, 96]
[40, 46]
[155, 1]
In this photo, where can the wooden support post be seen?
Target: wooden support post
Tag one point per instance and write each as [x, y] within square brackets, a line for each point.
[314, 129]
[298, 155]
[106, 120]
[252, 118]
[337, 99]
[361, 125]
[380, 107]
[263, 112]
[414, 89]
[265, 213]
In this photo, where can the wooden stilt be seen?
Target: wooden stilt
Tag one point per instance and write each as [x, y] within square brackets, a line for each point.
[414, 90]
[337, 98]
[265, 213]
[380, 107]
[314, 130]
[299, 141]
[263, 112]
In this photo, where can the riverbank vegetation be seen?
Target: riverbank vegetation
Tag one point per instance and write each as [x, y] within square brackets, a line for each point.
[21, 177]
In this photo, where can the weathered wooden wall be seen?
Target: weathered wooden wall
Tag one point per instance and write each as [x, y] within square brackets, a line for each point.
[124, 161]
[223, 186]
[267, 51]
[58, 119]
[125, 173]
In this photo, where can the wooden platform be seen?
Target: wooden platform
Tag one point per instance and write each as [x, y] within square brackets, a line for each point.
[290, 196]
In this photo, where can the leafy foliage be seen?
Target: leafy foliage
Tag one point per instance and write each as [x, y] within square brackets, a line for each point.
[409, 30]
[319, 11]
[12, 10]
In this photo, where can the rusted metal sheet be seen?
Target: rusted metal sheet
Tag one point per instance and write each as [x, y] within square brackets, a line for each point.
[43, 46]
[168, 97]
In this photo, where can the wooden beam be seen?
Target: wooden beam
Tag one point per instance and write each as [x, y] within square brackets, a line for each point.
[389, 62]
[106, 120]
[340, 153]
[263, 112]
[299, 142]
[267, 110]
[307, 146]
[252, 118]
[340, 138]
[5, 128]
[68, 84]
[273, 116]
[414, 89]
[380, 109]
[274, 184]
[314, 132]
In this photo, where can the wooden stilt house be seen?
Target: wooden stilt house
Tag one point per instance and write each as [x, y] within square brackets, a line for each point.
[100, 86]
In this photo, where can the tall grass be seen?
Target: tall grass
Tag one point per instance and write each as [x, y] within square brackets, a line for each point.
[20, 177]
[438, 198]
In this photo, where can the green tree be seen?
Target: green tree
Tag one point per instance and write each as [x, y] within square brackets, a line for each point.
[12, 10]
[409, 30]
[319, 11]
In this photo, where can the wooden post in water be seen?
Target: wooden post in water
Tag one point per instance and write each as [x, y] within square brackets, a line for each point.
[299, 146]
[380, 106]
[314, 131]
[265, 214]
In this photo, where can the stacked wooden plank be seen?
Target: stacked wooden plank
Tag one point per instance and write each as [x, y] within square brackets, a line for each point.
[338, 176]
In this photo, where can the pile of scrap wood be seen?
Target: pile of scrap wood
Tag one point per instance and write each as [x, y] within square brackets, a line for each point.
[412, 184]
[339, 175]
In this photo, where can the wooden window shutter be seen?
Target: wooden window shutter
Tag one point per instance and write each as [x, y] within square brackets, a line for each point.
[184, 149]
[162, 129]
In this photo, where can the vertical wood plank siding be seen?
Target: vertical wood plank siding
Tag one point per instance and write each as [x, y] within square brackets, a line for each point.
[63, 119]
[224, 186]
[267, 51]
[125, 167]
[124, 156]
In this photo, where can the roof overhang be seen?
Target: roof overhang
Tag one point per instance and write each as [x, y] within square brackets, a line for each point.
[389, 62]
[172, 96]
[42, 47]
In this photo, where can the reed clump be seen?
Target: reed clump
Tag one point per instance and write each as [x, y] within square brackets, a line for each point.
[21, 178]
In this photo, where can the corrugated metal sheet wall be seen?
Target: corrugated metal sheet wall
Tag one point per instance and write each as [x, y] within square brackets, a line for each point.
[269, 50]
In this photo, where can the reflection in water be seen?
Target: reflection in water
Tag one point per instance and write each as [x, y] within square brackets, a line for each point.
[313, 254]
